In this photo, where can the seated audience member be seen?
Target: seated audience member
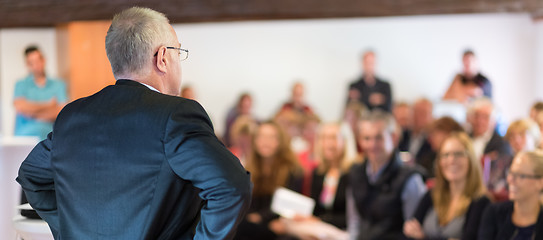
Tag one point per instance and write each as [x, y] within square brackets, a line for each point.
[418, 142]
[453, 208]
[306, 150]
[382, 193]
[335, 152]
[521, 218]
[535, 109]
[188, 92]
[523, 135]
[297, 101]
[403, 116]
[352, 114]
[272, 164]
[470, 84]
[438, 131]
[243, 107]
[494, 152]
[369, 89]
[539, 123]
[240, 138]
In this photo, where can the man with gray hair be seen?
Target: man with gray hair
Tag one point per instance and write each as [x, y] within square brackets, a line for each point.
[135, 161]
[489, 146]
[383, 193]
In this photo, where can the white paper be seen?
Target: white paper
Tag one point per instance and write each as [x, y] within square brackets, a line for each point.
[288, 203]
[314, 230]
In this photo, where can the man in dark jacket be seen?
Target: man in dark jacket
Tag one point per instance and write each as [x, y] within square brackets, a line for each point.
[135, 161]
[369, 89]
[383, 193]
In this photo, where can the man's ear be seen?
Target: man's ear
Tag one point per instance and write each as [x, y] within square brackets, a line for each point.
[160, 59]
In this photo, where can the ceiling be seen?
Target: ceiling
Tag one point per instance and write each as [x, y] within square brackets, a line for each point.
[46, 13]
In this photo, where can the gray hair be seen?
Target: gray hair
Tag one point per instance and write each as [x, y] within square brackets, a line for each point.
[378, 115]
[132, 37]
[481, 103]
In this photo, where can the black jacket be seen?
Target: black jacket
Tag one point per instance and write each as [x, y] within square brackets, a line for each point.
[132, 163]
[497, 224]
[336, 215]
[473, 215]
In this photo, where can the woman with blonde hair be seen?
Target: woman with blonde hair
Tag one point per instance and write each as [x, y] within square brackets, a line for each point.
[335, 151]
[523, 135]
[453, 208]
[272, 165]
[522, 217]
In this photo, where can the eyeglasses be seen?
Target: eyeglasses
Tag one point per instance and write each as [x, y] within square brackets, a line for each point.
[522, 176]
[455, 155]
[183, 53]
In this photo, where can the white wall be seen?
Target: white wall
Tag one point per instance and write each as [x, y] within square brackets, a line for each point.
[12, 66]
[538, 64]
[418, 55]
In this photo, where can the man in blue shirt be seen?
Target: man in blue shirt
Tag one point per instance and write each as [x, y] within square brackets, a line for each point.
[37, 99]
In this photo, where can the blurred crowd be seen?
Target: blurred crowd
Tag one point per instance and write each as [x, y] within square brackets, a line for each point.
[383, 170]
[394, 170]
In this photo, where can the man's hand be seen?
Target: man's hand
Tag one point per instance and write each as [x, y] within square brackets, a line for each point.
[254, 218]
[377, 99]
[413, 229]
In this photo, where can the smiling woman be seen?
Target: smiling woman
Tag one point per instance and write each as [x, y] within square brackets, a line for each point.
[522, 217]
[452, 209]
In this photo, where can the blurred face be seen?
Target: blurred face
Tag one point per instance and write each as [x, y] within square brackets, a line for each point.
[523, 183]
[368, 63]
[267, 140]
[402, 114]
[245, 105]
[436, 139]
[481, 120]
[35, 63]
[518, 141]
[332, 143]
[188, 93]
[453, 160]
[470, 65]
[422, 115]
[298, 93]
[309, 131]
[375, 140]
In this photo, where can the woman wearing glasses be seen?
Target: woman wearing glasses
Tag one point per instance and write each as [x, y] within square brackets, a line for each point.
[453, 208]
[521, 217]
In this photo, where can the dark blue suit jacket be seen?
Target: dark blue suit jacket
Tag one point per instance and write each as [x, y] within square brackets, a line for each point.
[132, 163]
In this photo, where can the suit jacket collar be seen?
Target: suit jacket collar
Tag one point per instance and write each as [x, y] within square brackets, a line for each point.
[128, 82]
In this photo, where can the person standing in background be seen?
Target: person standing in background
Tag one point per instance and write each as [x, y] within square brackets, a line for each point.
[38, 98]
[369, 89]
[470, 83]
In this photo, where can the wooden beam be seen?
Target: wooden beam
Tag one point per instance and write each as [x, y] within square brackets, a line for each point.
[36, 13]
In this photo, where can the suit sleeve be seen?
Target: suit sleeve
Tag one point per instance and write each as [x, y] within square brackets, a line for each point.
[195, 154]
[36, 179]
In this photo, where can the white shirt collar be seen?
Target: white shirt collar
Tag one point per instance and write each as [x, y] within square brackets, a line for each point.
[152, 88]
